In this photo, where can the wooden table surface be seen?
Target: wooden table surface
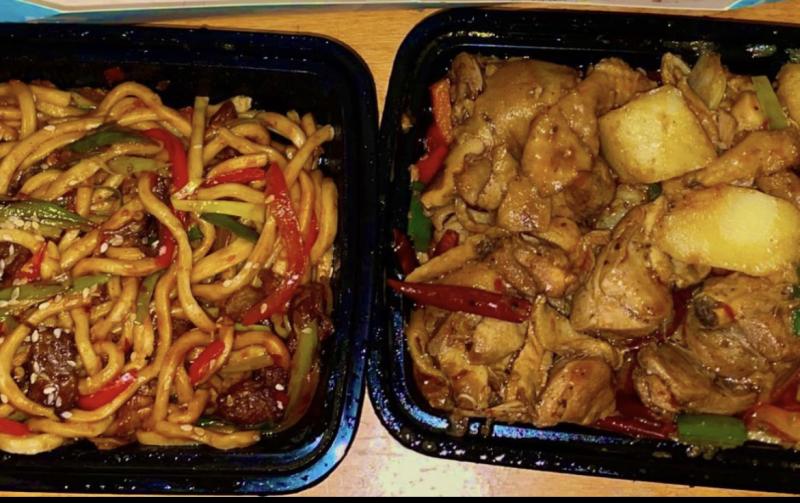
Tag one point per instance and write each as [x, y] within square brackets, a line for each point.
[376, 464]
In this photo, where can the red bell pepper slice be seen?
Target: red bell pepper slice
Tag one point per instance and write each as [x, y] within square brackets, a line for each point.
[441, 107]
[177, 156]
[429, 164]
[289, 231]
[109, 392]
[199, 368]
[777, 421]
[114, 75]
[13, 428]
[637, 427]
[404, 251]
[32, 269]
[434, 138]
[245, 175]
[466, 299]
[166, 247]
[449, 240]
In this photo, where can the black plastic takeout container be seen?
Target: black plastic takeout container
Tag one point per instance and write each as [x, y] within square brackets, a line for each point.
[578, 39]
[281, 72]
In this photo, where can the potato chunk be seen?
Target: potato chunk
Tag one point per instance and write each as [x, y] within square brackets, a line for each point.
[732, 228]
[654, 137]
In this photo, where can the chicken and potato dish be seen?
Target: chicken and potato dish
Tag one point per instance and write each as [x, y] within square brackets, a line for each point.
[610, 248]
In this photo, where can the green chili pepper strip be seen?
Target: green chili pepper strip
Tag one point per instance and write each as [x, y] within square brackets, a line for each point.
[419, 225]
[303, 359]
[83, 282]
[251, 328]
[709, 430]
[104, 137]
[769, 102]
[128, 165]
[32, 291]
[194, 233]
[45, 212]
[796, 322]
[254, 363]
[37, 291]
[233, 225]
[145, 296]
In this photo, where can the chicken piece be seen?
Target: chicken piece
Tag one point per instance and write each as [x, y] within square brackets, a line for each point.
[533, 268]
[789, 89]
[554, 154]
[784, 184]
[623, 298]
[564, 141]
[432, 383]
[467, 83]
[468, 382]
[578, 391]
[626, 197]
[523, 209]
[673, 69]
[493, 340]
[670, 380]
[747, 112]
[759, 308]
[557, 335]
[528, 374]
[590, 192]
[514, 92]
[484, 182]
[759, 153]
[725, 350]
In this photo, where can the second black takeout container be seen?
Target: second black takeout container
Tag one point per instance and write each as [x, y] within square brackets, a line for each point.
[280, 72]
[576, 39]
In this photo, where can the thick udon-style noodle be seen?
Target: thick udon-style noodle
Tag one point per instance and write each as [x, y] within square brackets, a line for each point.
[120, 303]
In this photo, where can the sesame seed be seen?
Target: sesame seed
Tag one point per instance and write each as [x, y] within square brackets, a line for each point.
[15, 294]
[103, 248]
[66, 414]
[49, 128]
[58, 402]
[3, 398]
[36, 367]
[162, 250]
[35, 336]
[227, 283]
[186, 427]
[280, 405]
[49, 390]
[263, 308]
[279, 387]
[34, 378]
[57, 333]
[86, 292]
[11, 249]
[71, 363]
[44, 305]
[27, 339]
